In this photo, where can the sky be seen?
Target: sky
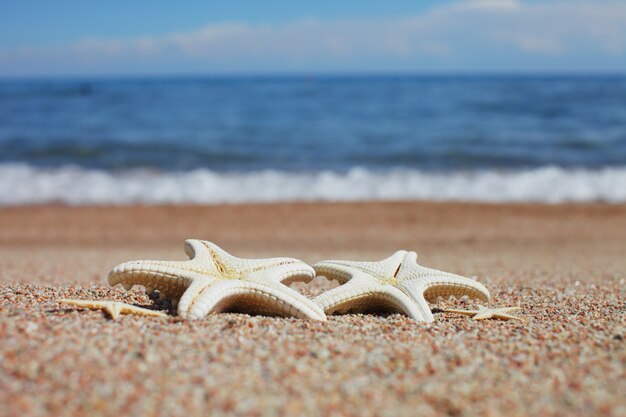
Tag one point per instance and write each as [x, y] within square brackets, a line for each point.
[158, 37]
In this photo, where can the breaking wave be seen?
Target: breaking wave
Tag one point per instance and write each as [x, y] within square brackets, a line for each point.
[22, 184]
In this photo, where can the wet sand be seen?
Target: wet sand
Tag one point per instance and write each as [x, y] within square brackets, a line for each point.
[565, 265]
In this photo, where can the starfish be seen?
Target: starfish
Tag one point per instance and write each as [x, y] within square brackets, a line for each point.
[396, 283]
[213, 281]
[114, 308]
[483, 313]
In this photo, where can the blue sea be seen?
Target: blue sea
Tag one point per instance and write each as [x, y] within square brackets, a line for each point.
[313, 138]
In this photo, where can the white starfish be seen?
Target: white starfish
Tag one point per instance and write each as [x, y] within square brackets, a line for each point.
[213, 281]
[483, 313]
[113, 308]
[396, 283]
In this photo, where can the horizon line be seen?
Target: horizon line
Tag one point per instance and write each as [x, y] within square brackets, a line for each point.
[322, 75]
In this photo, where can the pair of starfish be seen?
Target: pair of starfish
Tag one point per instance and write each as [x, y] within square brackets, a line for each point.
[213, 281]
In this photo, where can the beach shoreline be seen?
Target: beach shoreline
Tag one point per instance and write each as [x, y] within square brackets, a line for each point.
[563, 264]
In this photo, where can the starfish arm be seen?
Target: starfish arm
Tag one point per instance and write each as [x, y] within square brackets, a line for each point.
[78, 303]
[505, 316]
[457, 286]
[253, 297]
[113, 308]
[170, 278]
[462, 312]
[334, 271]
[210, 251]
[345, 296]
[94, 305]
[437, 283]
[420, 311]
[361, 295]
[509, 309]
[501, 313]
[284, 270]
[197, 250]
[226, 264]
[342, 271]
[484, 315]
[139, 311]
[190, 296]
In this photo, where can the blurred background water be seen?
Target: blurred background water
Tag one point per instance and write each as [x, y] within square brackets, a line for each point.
[504, 138]
[239, 124]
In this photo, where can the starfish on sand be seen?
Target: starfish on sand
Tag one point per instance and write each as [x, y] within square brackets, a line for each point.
[483, 313]
[214, 281]
[397, 283]
[114, 308]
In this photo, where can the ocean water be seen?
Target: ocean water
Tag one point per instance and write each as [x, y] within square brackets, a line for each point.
[214, 140]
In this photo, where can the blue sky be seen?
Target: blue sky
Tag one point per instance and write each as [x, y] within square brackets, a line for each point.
[58, 38]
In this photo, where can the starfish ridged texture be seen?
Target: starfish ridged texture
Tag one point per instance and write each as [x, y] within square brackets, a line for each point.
[214, 281]
[114, 308]
[483, 313]
[397, 284]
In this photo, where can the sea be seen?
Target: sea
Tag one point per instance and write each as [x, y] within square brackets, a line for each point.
[211, 140]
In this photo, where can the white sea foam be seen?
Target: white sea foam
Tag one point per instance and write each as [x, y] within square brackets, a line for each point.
[23, 184]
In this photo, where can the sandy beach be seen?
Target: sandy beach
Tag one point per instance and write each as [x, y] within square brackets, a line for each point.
[565, 265]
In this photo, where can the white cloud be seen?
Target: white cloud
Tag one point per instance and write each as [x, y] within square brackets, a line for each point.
[489, 5]
[534, 43]
[460, 34]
